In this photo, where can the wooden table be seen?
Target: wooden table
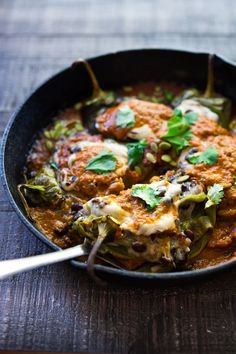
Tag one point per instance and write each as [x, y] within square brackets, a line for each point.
[58, 308]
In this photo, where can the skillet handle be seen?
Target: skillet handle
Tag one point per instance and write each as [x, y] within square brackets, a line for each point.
[14, 266]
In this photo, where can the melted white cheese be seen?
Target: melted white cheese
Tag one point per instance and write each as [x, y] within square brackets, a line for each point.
[119, 150]
[164, 223]
[195, 106]
[173, 190]
[103, 206]
[140, 133]
[111, 208]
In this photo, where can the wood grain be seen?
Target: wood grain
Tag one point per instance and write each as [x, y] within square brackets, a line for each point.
[58, 308]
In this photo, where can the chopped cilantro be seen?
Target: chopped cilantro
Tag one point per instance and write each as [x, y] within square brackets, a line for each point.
[179, 133]
[125, 117]
[209, 156]
[191, 118]
[54, 165]
[180, 142]
[177, 112]
[148, 194]
[102, 163]
[169, 96]
[136, 152]
[215, 195]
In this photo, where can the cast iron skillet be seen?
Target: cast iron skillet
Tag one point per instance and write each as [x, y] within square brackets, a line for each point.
[69, 86]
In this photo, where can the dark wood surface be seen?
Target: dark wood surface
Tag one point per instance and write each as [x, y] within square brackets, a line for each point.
[58, 308]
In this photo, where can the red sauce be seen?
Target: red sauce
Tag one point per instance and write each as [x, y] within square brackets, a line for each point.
[53, 222]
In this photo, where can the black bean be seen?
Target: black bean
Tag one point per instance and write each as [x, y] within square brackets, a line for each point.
[173, 251]
[73, 178]
[182, 164]
[162, 170]
[139, 246]
[76, 206]
[193, 150]
[75, 148]
[189, 234]
[153, 237]
[102, 204]
[181, 172]
[128, 233]
[77, 215]
[161, 193]
[171, 178]
[190, 153]
[187, 156]
[184, 187]
[185, 206]
[193, 183]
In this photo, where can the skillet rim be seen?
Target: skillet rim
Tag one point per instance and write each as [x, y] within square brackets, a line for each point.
[173, 276]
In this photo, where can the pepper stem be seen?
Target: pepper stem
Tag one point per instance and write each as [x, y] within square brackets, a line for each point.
[97, 91]
[27, 209]
[103, 231]
[209, 92]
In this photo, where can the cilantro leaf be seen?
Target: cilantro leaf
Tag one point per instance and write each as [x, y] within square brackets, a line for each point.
[209, 156]
[215, 195]
[176, 126]
[125, 117]
[179, 132]
[169, 96]
[136, 152]
[102, 163]
[177, 112]
[148, 194]
[180, 142]
[191, 118]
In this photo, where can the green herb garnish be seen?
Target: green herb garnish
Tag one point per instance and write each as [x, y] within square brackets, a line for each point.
[54, 166]
[148, 194]
[234, 180]
[209, 156]
[179, 133]
[136, 152]
[125, 117]
[215, 195]
[169, 96]
[191, 118]
[102, 163]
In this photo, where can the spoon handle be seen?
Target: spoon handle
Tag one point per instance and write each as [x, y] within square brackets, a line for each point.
[14, 266]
